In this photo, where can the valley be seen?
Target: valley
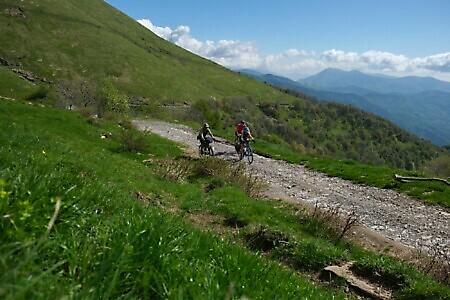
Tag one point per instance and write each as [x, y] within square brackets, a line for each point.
[419, 105]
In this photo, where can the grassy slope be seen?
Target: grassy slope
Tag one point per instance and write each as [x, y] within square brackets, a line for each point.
[107, 244]
[14, 87]
[90, 39]
[104, 243]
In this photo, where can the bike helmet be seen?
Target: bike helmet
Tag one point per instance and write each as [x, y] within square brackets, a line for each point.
[206, 125]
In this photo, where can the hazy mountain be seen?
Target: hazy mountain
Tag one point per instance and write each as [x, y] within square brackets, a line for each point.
[346, 98]
[425, 112]
[360, 83]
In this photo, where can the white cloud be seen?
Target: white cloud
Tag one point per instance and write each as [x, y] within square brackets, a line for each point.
[439, 62]
[334, 56]
[296, 62]
[160, 31]
[228, 53]
[370, 60]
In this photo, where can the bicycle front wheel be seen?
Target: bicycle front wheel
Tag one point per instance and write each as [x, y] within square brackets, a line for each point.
[249, 155]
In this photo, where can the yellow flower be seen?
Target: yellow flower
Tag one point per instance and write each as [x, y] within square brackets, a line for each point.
[3, 193]
[25, 209]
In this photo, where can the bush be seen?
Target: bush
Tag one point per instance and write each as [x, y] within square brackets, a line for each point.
[132, 140]
[439, 166]
[110, 99]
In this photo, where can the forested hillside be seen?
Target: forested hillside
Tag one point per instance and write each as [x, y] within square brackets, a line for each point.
[322, 129]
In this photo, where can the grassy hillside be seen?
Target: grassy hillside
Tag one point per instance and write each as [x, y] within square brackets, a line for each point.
[89, 55]
[13, 86]
[89, 40]
[81, 217]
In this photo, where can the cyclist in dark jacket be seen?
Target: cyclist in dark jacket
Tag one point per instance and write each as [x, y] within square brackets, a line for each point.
[204, 132]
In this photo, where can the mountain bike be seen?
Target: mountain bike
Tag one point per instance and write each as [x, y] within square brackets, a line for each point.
[246, 150]
[206, 147]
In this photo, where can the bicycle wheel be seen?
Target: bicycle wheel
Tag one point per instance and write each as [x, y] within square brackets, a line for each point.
[211, 150]
[249, 154]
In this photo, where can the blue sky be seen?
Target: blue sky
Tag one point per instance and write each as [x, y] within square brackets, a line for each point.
[300, 38]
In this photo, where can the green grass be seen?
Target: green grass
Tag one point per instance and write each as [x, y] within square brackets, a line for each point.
[123, 229]
[105, 243]
[11, 86]
[90, 40]
[287, 233]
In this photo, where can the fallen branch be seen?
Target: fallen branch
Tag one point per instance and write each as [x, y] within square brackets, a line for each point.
[406, 179]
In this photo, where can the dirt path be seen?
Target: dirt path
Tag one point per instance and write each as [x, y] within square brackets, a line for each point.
[389, 219]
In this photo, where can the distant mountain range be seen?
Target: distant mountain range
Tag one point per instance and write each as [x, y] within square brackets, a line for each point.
[360, 83]
[420, 105]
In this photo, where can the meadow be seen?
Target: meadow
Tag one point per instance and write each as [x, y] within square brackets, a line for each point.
[84, 215]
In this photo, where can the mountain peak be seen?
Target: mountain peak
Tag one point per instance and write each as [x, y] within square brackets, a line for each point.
[339, 71]
[332, 78]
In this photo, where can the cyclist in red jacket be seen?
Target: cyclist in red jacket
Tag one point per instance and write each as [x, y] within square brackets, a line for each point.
[239, 128]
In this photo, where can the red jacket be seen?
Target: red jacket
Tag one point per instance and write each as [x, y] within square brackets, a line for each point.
[239, 128]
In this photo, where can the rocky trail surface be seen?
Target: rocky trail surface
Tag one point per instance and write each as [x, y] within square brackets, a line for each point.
[388, 217]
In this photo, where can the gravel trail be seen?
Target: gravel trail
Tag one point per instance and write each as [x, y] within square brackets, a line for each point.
[387, 212]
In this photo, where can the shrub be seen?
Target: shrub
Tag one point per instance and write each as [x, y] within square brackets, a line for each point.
[132, 140]
[439, 166]
[174, 170]
[110, 99]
